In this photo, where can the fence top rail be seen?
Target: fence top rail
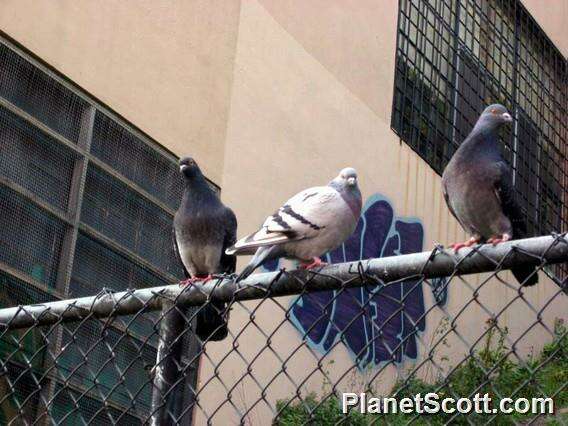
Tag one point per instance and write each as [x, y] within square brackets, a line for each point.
[433, 264]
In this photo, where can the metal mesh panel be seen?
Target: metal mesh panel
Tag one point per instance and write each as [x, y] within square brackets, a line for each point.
[96, 264]
[27, 157]
[32, 90]
[422, 115]
[280, 350]
[24, 352]
[21, 347]
[453, 59]
[30, 239]
[115, 368]
[25, 399]
[37, 108]
[58, 374]
[21, 293]
[123, 215]
[75, 408]
[137, 161]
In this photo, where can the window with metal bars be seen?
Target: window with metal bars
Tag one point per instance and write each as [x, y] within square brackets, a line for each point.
[86, 201]
[453, 58]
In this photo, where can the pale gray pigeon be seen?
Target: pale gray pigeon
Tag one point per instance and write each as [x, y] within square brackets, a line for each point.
[478, 190]
[203, 229]
[308, 225]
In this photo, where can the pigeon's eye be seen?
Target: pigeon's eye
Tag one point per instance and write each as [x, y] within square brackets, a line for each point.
[493, 111]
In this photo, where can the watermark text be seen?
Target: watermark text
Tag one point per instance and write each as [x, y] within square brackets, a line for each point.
[432, 403]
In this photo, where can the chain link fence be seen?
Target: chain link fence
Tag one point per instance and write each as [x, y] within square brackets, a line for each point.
[132, 357]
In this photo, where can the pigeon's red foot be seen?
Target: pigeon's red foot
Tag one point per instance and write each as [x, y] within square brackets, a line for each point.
[457, 246]
[316, 261]
[196, 279]
[497, 240]
[186, 282]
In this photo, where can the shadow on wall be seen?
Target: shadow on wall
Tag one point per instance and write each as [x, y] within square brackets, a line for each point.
[376, 323]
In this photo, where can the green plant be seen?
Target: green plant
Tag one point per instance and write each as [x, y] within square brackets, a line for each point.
[310, 410]
[490, 370]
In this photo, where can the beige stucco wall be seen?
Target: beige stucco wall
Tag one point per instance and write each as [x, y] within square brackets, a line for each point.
[164, 65]
[271, 97]
[312, 93]
[552, 16]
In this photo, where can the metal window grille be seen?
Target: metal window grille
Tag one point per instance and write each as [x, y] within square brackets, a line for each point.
[118, 212]
[453, 58]
[33, 91]
[61, 153]
[116, 146]
[106, 372]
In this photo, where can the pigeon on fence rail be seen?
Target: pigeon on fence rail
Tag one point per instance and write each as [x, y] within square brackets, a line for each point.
[308, 225]
[203, 228]
[479, 193]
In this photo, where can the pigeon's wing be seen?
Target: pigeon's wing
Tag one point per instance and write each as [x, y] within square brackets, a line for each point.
[176, 252]
[449, 204]
[302, 216]
[526, 275]
[505, 193]
[229, 262]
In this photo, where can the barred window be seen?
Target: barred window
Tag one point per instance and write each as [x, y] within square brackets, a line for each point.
[454, 58]
[86, 201]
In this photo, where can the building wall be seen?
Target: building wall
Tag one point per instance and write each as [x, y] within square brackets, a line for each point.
[312, 93]
[165, 66]
[270, 97]
[552, 19]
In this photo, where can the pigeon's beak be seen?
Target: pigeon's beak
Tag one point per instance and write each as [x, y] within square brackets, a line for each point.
[507, 117]
[351, 181]
[183, 167]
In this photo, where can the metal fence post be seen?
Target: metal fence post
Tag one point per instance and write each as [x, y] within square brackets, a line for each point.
[165, 410]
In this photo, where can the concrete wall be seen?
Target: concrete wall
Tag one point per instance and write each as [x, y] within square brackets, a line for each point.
[552, 17]
[312, 93]
[271, 96]
[166, 66]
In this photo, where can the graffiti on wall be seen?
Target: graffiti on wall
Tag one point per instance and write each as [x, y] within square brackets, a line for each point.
[376, 323]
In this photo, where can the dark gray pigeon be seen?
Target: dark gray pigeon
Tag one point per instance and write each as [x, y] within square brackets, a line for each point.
[203, 229]
[308, 225]
[478, 189]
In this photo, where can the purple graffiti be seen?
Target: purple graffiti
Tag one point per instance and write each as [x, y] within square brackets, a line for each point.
[377, 323]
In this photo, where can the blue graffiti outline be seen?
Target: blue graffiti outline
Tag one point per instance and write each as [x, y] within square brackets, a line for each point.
[361, 362]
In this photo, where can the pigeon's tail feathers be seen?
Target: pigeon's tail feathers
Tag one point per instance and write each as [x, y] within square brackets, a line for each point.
[263, 254]
[526, 275]
[212, 321]
[261, 238]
